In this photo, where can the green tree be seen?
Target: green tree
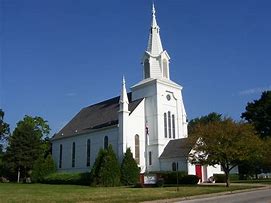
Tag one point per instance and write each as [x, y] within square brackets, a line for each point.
[224, 142]
[25, 144]
[266, 156]
[43, 167]
[258, 113]
[204, 120]
[129, 169]
[95, 171]
[110, 169]
[4, 128]
[106, 169]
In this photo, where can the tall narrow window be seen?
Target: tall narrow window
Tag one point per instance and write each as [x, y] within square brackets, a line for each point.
[88, 152]
[150, 158]
[174, 166]
[173, 126]
[165, 68]
[60, 157]
[165, 124]
[106, 142]
[137, 149]
[73, 154]
[169, 124]
[146, 69]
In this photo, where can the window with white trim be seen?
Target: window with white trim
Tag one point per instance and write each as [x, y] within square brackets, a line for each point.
[169, 124]
[165, 124]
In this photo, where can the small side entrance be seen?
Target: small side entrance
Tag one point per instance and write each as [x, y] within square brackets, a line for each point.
[199, 171]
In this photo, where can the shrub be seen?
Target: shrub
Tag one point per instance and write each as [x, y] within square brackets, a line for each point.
[67, 178]
[234, 177]
[170, 177]
[220, 178]
[94, 174]
[43, 167]
[160, 182]
[106, 169]
[129, 169]
[189, 179]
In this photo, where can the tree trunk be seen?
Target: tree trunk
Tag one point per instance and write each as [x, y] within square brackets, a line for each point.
[18, 175]
[227, 178]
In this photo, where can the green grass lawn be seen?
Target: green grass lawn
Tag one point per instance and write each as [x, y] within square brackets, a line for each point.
[11, 192]
[261, 181]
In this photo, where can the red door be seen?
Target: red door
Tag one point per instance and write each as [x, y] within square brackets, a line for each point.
[198, 171]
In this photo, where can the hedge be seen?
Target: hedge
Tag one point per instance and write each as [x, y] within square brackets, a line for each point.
[189, 179]
[170, 177]
[68, 179]
[220, 178]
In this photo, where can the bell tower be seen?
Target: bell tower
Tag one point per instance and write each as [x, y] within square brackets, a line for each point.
[155, 60]
[164, 111]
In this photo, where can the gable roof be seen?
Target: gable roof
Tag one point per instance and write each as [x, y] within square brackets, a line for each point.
[177, 148]
[96, 116]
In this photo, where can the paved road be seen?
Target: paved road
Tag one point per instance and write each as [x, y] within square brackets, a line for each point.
[258, 196]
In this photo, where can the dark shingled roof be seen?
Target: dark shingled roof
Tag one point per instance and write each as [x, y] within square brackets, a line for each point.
[177, 148]
[96, 116]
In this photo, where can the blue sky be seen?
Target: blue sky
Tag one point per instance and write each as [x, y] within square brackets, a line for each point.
[58, 56]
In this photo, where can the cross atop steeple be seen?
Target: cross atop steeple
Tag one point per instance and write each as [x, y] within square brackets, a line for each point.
[154, 23]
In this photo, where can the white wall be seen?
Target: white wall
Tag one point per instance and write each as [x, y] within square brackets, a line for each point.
[166, 164]
[155, 92]
[136, 126]
[207, 171]
[97, 142]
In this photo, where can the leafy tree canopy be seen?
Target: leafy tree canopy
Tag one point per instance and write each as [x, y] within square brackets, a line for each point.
[224, 142]
[258, 113]
[204, 120]
[4, 127]
[26, 144]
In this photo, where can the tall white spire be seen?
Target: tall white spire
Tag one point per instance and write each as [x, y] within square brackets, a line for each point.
[124, 102]
[155, 60]
[154, 45]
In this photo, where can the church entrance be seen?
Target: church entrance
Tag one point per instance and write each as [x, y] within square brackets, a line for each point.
[199, 171]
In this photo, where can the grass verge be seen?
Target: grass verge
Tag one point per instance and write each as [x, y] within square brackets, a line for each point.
[261, 181]
[11, 192]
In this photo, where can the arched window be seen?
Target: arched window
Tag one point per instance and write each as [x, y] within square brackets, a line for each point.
[60, 157]
[174, 166]
[137, 149]
[146, 69]
[173, 126]
[73, 154]
[106, 142]
[165, 68]
[169, 124]
[165, 124]
[88, 152]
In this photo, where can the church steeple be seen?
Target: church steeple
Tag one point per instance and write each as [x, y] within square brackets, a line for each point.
[155, 60]
[154, 44]
[124, 102]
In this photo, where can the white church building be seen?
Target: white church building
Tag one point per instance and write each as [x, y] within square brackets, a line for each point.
[150, 120]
